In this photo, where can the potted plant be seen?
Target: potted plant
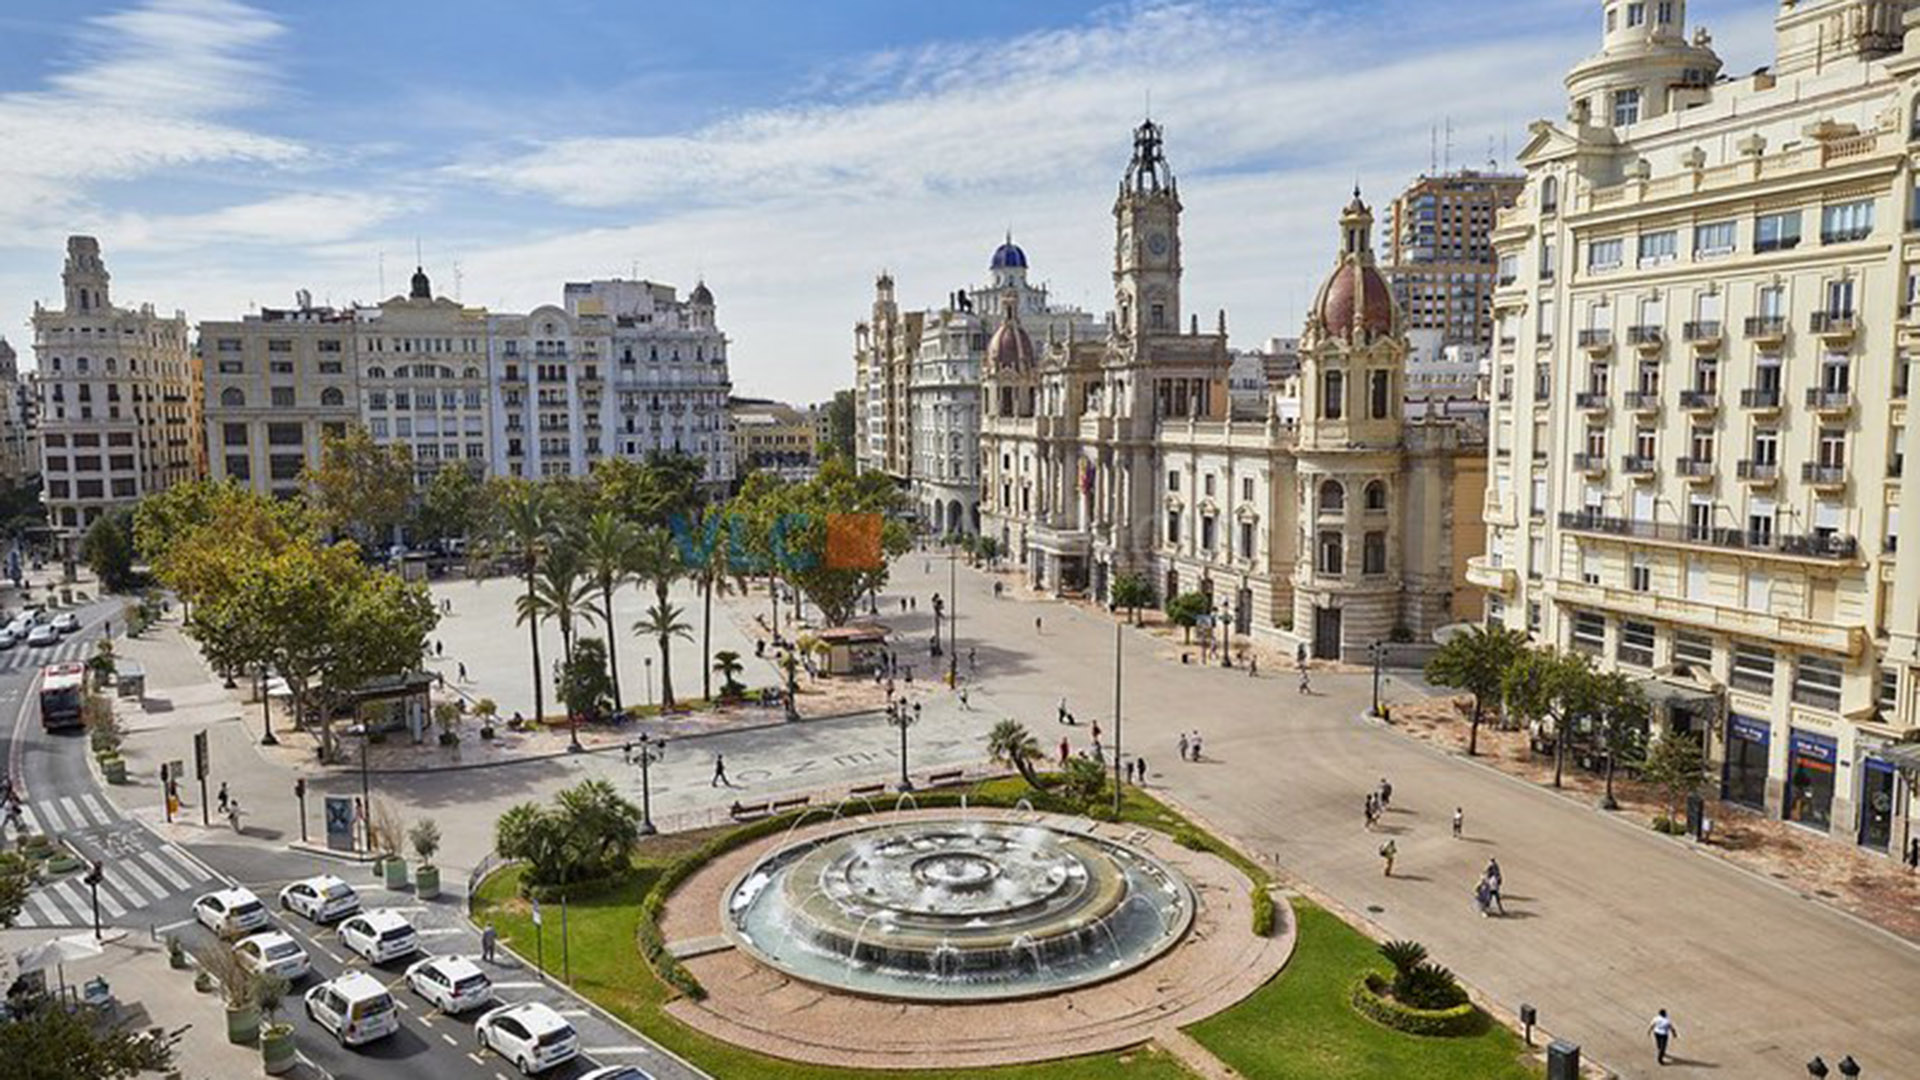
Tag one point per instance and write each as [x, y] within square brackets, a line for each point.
[114, 768]
[388, 831]
[203, 982]
[241, 988]
[277, 1053]
[447, 715]
[176, 954]
[425, 837]
[486, 709]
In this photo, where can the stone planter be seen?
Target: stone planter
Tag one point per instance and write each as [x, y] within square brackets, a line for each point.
[243, 1025]
[395, 872]
[114, 769]
[426, 881]
[486, 733]
[379, 865]
[61, 863]
[277, 1052]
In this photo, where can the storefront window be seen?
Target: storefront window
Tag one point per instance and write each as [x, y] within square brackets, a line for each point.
[1745, 781]
[1810, 780]
[1876, 804]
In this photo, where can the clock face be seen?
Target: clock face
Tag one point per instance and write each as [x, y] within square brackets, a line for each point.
[1157, 243]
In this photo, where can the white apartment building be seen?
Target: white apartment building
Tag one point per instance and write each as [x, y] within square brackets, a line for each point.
[278, 383]
[1700, 414]
[19, 446]
[118, 399]
[424, 380]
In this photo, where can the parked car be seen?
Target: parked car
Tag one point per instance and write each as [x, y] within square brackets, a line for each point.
[230, 912]
[531, 1035]
[355, 1007]
[453, 984]
[379, 936]
[66, 622]
[320, 899]
[42, 636]
[7, 638]
[272, 952]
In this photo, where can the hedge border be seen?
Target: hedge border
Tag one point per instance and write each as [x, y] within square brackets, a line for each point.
[1369, 999]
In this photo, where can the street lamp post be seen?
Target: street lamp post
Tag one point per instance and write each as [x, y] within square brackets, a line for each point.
[650, 751]
[94, 875]
[903, 717]
[1377, 650]
[648, 662]
[366, 787]
[938, 607]
[1226, 635]
[953, 615]
[300, 793]
[1118, 629]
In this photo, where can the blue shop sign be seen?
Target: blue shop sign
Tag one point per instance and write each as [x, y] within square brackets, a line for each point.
[1874, 764]
[1814, 747]
[1745, 727]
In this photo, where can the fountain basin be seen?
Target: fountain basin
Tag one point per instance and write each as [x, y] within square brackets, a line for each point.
[939, 909]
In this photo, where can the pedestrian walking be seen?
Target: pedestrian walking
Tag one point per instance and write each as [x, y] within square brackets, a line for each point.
[1913, 855]
[626, 753]
[1387, 852]
[223, 800]
[1663, 1032]
[1370, 811]
[1140, 765]
[1306, 682]
[1253, 667]
[439, 648]
[1066, 751]
[903, 603]
[487, 938]
[1196, 746]
[913, 603]
[1183, 746]
[972, 666]
[1036, 624]
[720, 772]
[1300, 655]
[1494, 881]
[463, 672]
[1096, 732]
[1386, 794]
[1459, 819]
[1482, 896]
[963, 700]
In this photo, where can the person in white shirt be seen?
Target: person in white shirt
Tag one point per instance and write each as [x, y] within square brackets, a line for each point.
[1662, 1030]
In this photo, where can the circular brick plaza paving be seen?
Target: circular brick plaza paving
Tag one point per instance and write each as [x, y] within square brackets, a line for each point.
[1217, 963]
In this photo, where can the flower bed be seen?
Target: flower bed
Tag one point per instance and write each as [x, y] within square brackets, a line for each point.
[1371, 998]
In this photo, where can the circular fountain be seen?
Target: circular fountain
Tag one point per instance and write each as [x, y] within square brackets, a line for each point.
[957, 909]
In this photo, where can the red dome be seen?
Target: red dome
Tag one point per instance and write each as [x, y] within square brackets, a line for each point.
[1011, 349]
[1355, 285]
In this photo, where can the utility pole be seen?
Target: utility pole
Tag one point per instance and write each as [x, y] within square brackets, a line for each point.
[1118, 642]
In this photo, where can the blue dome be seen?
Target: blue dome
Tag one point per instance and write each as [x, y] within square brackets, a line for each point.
[1008, 256]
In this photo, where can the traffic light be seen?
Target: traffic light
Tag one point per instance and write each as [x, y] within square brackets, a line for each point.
[300, 787]
[95, 874]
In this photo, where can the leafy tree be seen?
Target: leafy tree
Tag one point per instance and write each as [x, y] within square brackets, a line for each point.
[727, 663]
[361, 487]
[451, 505]
[589, 831]
[1477, 662]
[582, 680]
[521, 526]
[16, 877]
[840, 424]
[1620, 718]
[1676, 768]
[989, 551]
[606, 548]
[1184, 611]
[1084, 781]
[51, 1043]
[710, 572]
[22, 511]
[648, 494]
[1551, 687]
[662, 623]
[819, 543]
[108, 549]
[1010, 743]
[1131, 592]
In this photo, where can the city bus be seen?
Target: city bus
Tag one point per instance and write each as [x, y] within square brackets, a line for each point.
[61, 686]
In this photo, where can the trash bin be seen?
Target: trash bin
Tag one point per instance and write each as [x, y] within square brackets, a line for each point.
[1563, 1060]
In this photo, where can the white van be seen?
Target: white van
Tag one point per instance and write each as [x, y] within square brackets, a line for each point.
[355, 1007]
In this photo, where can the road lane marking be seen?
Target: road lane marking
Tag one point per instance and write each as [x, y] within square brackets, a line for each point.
[159, 866]
[169, 855]
[451, 1041]
[100, 809]
[130, 870]
[49, 914]
[517, 985]
[110, 903]
[69, 810]
[175, 925]
[617, 1050]
[439, 931]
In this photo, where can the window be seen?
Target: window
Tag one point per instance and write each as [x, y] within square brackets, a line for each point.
[1665, 11]
[1550, 195]
[1636, 644]
[233, 434]
[1246, 488]
[1206, 483]
[1246, 540]
[1173, 480]
[1589, 631]
[1845, 222]
[1693, 649]
[1373, 554]
[1626, 107]
[1333, 498]
[1776, 232]
[1332, 553]
[233, 398]
[332, 396]
[1888, 697]
[1605, 254]
[283, 397]
[1636, 13]
[1333, 395]
[1376, 497]
[1207, 530]
[286, 466]
[1173, 524]
[1752, 669]
[1717, 238]
[1379, 401]
[238, 467]
[1659, 247]
[1816, 682]
[1640, 573]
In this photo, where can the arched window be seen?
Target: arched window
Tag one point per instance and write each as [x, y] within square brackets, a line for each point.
[376, 372]
[1333, 498]
[1376, 496]
[332, 396]
[112, 365]
[471, 373]
[233, 398]
[1550, 195]
[1333, 553]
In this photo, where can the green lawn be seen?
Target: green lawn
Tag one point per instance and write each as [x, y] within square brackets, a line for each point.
[1300, 1025]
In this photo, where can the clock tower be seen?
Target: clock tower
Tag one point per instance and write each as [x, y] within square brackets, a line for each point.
[1146, 253]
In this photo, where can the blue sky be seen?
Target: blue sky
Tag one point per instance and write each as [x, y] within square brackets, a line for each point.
[227, 154]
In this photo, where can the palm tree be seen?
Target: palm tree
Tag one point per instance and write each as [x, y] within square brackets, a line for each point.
[607, 547]
[727, 663]
[1477, 662]
[1010, 743]
[563, 593]
[712, 575]
[662, 622]
[523, 527]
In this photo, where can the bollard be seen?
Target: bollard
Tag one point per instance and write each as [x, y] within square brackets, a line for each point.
[1563, 1060]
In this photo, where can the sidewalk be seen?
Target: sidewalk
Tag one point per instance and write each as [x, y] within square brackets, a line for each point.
[151, 994]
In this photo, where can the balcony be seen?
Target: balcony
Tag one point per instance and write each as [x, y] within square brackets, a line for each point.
[1637, 465]
[1646, 338]
[1700, 401]
[1803, 633]
[1694, 469]
[1702, 335]
[1596, 341]
[1594, 401]
[1758, 473]
[1824, 476]
[1846, 236]
[1767, 328]
[1802, 546]
[1591, 464]
[1833, 325]
[1833, 403]
[1643, 401]
[1761, 400]
[1483, 572]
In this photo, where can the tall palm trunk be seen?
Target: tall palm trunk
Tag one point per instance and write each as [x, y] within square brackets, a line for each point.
[1473, 732]
[613, 656]
[666, 674]
[706, 640]
[533, 638]
[773, 594]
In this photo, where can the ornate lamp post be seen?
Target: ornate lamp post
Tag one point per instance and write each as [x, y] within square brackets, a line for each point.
[901, 716]
[647, 752]
[938, 607]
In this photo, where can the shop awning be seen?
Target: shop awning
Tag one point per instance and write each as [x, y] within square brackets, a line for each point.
[1661, 692]
[1902, 756]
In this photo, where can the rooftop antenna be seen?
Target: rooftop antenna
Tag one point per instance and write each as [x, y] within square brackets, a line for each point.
[418, 261]
[1448, 160]
[1149, 103]
[1433, 148]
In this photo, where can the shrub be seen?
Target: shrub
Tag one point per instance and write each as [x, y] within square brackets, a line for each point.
[1404, 956]
[1083, 782]
[1427, 985]
[1667, 826]
[1263, 912]
[1370, 998]
[1190, 840]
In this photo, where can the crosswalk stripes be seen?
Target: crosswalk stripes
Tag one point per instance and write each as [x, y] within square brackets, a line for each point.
[128, 884]
[23, 657]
